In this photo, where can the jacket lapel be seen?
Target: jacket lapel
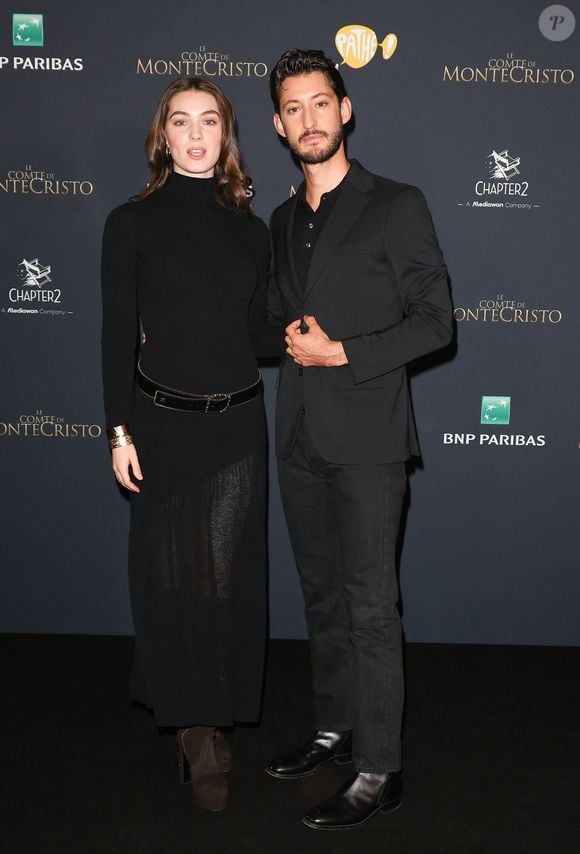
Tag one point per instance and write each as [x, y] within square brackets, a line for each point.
[348, 207]
[289, 266]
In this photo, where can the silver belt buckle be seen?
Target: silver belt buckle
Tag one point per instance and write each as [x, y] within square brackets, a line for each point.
[226, 399]
[159, 398]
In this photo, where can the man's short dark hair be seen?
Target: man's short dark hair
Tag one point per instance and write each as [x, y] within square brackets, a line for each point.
[298, 61]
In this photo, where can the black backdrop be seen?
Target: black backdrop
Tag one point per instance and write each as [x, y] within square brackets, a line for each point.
[478, 106]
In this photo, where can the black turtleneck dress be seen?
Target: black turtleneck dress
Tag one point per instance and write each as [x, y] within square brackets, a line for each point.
[187, 277]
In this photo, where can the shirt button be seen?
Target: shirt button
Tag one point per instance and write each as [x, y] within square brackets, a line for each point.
[308, 245]
[310, 225]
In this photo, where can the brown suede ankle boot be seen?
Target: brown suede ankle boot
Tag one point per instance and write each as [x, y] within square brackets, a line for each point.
[198, 763]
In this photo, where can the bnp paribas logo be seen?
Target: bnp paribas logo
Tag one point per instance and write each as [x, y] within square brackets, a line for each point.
[27, 30]
[495, 410]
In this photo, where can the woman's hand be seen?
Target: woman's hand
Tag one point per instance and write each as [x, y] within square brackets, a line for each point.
[125, 458]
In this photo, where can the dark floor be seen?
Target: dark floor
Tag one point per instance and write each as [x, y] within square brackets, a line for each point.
[492, 758]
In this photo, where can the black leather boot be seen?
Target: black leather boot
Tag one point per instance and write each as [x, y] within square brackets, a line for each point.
[359, 799]
[323, 747]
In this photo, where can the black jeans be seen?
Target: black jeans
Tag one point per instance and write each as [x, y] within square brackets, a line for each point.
[343, 522]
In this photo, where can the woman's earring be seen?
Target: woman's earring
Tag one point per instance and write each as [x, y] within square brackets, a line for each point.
[167, 150]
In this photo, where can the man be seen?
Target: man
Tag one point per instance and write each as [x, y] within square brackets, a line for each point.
[360, 284]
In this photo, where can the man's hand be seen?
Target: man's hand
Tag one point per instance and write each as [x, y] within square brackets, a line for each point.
[125, 458]
[313, 348]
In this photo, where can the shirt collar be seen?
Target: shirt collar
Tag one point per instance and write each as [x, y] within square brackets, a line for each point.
[330, 196]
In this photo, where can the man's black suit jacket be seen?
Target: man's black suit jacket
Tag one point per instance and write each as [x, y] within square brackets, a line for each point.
[378, 283]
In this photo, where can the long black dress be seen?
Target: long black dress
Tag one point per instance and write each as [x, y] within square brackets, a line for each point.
[191, 275]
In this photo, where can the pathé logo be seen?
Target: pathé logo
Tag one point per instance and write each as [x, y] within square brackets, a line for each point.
[357, 44]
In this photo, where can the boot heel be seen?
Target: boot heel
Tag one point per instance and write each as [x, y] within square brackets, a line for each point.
[392, 805]
[223, 753]
[183, 767]
[198, 765]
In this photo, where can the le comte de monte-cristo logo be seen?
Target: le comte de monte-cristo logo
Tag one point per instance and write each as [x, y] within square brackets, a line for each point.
[27, 30]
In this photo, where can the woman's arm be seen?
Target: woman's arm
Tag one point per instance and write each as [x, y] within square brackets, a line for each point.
[119, 341]
[120, 332]
[266, 331]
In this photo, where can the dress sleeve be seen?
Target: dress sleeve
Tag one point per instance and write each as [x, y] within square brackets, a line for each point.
[266, 333]
[120, 333]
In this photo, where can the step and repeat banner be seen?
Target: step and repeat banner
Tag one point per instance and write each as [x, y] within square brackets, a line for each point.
[477, 104]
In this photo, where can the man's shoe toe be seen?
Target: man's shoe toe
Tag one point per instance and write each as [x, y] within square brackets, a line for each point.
[360, 798]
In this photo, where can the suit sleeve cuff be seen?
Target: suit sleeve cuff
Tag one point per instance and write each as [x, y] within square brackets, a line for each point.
[360, 367]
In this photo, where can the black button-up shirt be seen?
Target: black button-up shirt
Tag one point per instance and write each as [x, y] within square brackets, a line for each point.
[307, 228]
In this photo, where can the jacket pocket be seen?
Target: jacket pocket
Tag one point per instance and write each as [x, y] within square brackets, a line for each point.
[353, 248]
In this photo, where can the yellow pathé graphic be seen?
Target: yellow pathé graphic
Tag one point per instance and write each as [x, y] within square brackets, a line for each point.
[358, 44]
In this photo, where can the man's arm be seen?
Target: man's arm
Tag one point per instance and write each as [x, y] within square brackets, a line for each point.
[412, 248]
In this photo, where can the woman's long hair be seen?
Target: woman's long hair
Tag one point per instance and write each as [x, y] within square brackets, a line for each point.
[232, 185]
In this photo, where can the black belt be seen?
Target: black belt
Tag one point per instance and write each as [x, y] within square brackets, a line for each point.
[171, 398]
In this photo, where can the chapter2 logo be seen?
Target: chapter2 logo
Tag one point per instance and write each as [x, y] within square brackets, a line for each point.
[502, 166]
[34, 273]
[31, 296]
[357, 45]
[34, 276]
[498, 189]
[27, 30]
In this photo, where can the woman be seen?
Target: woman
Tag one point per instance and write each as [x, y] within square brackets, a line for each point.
[184, 271]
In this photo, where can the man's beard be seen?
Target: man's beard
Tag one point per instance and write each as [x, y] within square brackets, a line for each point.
[320, 155]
